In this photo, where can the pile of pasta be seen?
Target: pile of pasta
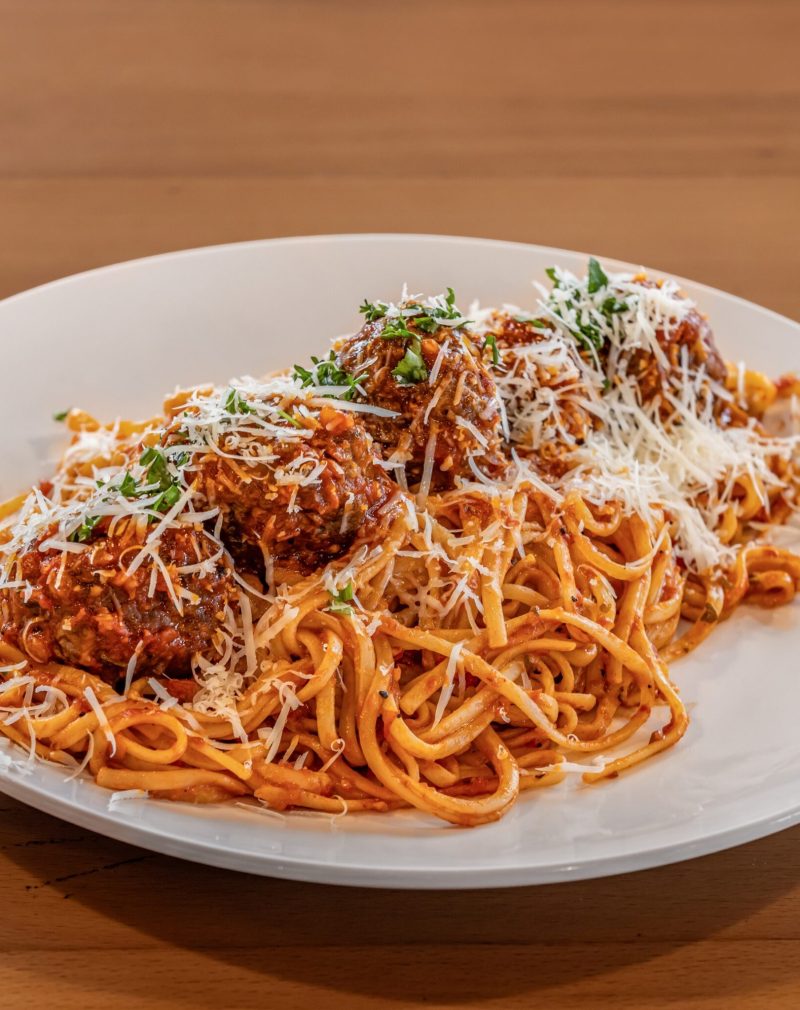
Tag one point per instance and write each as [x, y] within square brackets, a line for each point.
[530, 517]
[384, 705]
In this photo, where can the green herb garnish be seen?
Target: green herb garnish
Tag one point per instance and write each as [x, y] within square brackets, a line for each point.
[373, 311]
[235, 403]
[491, 341]
[167, 498]
[340, 602]
[326, 372]
[84, 531]
[428, 319]
[61, 415]
[158, 478]
[155, 463]
[597, 278]
[611, 306]
[290, 419]
[396, 329]
[129, 486]
[587, 334]
[411, 368]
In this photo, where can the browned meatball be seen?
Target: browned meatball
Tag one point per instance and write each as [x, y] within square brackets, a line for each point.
[543, 389]
[304, 499]
[693, 333]
[442, 392]
[86, 610]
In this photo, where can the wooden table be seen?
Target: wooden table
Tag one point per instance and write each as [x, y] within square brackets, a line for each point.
[660, 133]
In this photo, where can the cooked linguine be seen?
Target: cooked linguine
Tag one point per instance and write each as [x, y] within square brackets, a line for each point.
[445, 564]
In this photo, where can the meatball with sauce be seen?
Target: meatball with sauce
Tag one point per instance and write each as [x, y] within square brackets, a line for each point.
[295, 483]
[441, 393]
[539, 378]
[691, 338]
[88, 610]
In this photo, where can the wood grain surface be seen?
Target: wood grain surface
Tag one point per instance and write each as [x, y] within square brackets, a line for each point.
[661, 133]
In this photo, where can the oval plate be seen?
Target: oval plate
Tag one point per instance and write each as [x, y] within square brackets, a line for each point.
[115, 340]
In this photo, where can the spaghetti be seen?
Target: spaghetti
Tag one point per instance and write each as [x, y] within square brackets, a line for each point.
[446, 564]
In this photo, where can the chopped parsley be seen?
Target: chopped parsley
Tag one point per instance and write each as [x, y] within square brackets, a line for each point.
[491, 341]
[158, 478]
[429, 318]
[596, 278]
[155, 463]
[340, 602]
[529, 320]
[128, 486]
[589, 336]
[451, 312]
[426, 318]
[611, 306]
[411, 368]
[326, 372]
[289, 418]
[84, 531]
[167, 498]
[373, 311]
[235, 403]
[61, 415]
[396, 329]
[586, 333]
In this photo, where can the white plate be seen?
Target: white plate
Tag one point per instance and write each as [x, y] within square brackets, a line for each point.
[114, 340]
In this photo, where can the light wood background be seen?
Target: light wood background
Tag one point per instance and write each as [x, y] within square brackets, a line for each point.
[663, 133]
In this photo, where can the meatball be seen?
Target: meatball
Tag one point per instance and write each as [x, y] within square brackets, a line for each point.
[85, 609]
[297, 491]
[541, 383]
[694, 334]
[434, 379]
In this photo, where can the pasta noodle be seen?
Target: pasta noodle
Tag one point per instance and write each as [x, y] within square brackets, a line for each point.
[493, 607]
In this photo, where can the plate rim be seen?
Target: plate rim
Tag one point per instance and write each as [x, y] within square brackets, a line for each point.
[354, 874]
[367, 236]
